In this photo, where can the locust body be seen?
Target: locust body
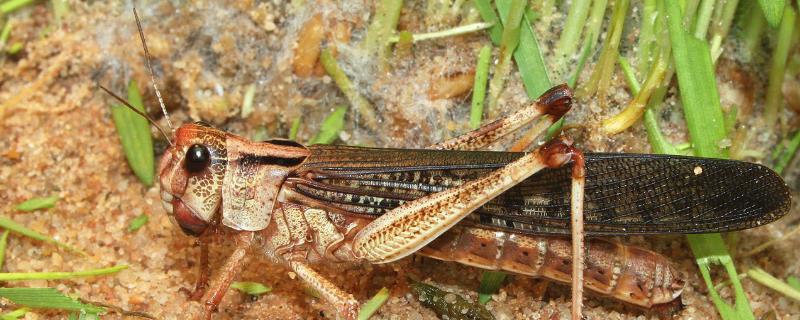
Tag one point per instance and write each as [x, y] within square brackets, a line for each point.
[493, 210]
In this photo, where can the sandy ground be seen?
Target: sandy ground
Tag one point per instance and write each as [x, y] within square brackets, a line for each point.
[58, 139]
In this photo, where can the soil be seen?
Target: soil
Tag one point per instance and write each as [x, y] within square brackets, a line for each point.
[58, 138]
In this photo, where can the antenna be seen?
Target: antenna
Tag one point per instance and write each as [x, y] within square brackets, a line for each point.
[152, 74]
[127, 104]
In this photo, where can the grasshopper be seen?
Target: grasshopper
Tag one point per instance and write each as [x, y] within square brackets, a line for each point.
[306, 205]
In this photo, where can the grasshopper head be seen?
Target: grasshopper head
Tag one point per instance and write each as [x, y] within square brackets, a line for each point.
[191, 173]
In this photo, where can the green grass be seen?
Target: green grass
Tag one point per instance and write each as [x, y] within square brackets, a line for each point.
[19, 276]
[479, 87]
[46, 298]
[373, 304]
[774, 104]
[361, 105]
[38, 204]
[706, 124]
[134, 134]
[251, 288]
[138, 222]
[331, 126]
[12, 226]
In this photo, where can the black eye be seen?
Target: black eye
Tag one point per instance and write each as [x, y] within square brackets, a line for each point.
[197, 158]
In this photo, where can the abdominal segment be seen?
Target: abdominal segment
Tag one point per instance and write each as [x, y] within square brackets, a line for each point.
[630, 274]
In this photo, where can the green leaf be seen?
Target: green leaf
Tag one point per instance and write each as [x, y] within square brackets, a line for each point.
[794, 282]
[138, 222]
[704, 118]
[361, 105]
[479, 87]
[3, 245]
[490, 283]
[13, 315]
[251, 288]
[134, 133]
[46, 298]
[38, 203]
[17, 276]
[370, 307]
[766, 279]
[295, 128]
[10, 225]
[528, 56]
[773, 11]
[331, 126]
[774, 101]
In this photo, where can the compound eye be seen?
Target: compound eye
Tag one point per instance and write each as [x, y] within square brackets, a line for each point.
[197, 158]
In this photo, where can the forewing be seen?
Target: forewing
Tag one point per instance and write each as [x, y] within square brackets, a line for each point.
[625, 193]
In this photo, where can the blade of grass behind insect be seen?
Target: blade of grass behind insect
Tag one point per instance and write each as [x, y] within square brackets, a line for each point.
[479, 87]
[12, 5]
[383, 25]
[3, 245]
[793, 282]
[508, 43]
[361, 105]
[570, 35]
[705, 122]
[773, 11]
[788, 153]
[38, 203]
[774, 102]
[10, 225]
[18, 276]
[134, 133]
[766, 279]
[46, 298]
[138, 222]
[331, 126]
[295, 128]
[16, 314]
[251, 288]
[487, 14]
[490, 283]
[601, 75]
[528, 56]
[5, 33]
[370, 307]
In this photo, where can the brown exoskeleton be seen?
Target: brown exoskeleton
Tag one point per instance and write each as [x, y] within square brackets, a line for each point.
[493, 210]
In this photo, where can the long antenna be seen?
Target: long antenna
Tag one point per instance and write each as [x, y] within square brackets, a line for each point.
[127, 104]
[150, 66]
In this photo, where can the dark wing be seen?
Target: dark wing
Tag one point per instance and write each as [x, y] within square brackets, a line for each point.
[625, 193]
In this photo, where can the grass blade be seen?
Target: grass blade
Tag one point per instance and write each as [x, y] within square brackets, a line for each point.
[706, 124]
[10, 225]
[774, 102]
[766, 279]
[528, 56]
[134, 133]
[490, 283]
[331, 126]
[18, 276]
[508, 43]
[3, 245]
[773, 11]
[468, 28]
[364, 109]
[38, 203]
[295, 128]
[138, 222]
[794, 282]
[487, 14]
[479, 89]
[16, 314]
[46, 298]
[370, 307]
[251, 288]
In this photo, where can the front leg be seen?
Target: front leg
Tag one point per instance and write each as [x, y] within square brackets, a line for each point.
[202, 279]
[233, 265]
[409, 227]
[346, 305]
